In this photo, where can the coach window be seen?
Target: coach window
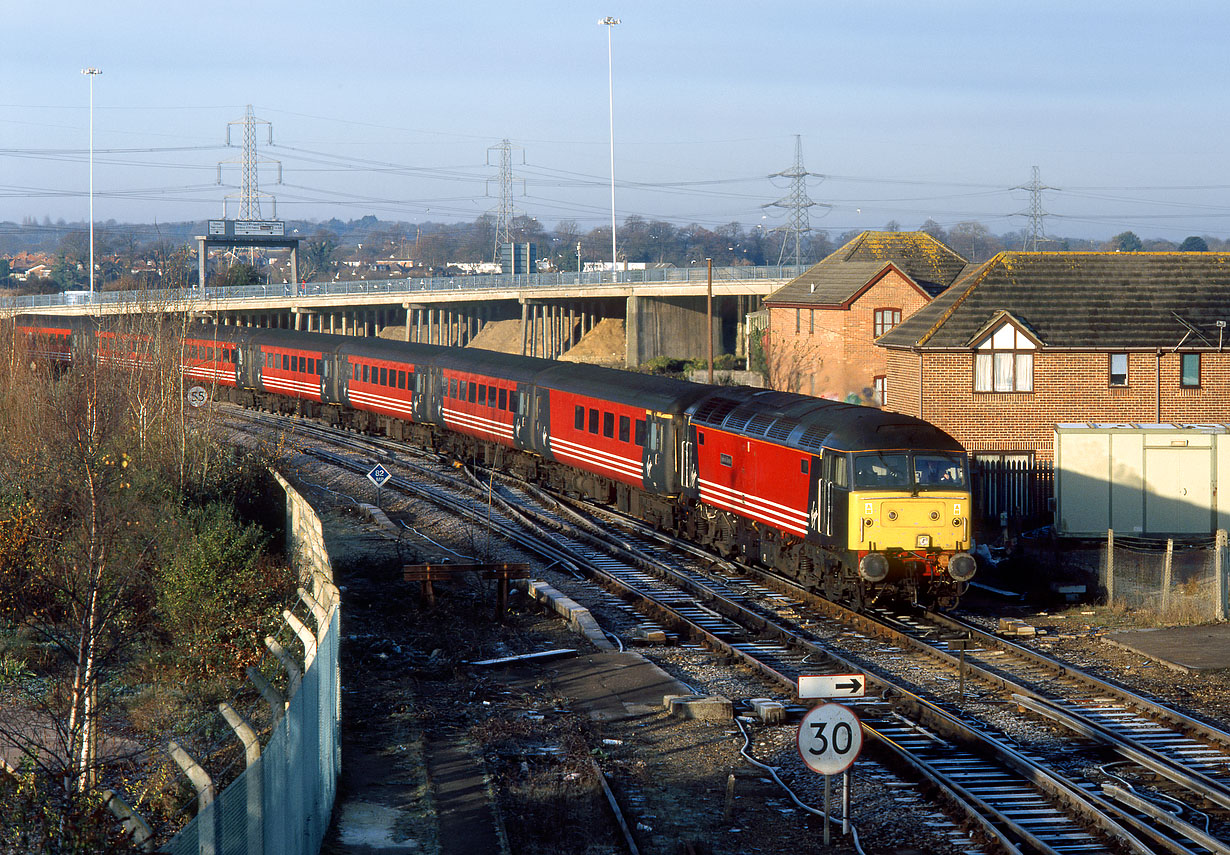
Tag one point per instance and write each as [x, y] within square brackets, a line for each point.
[639, 436]
[608, 425]
[1004, 362]
[593, 421]
[472, 396]
[366, 374]
[503, 399]
[482, 394]
[401, 379]
[384, 376]
[1191, 370]
[452, 387]
[1118, 369]
[625, 428]
[514, 403]
[580, 418]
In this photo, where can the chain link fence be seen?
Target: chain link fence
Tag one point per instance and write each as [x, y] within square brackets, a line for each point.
[1180, 581]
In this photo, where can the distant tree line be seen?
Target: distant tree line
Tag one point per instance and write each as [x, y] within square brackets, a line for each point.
[137, 257]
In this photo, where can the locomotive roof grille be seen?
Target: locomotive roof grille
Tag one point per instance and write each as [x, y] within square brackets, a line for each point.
[813, 437]
[715, 410]
[782, 428]
[739, 418]
[760, 424]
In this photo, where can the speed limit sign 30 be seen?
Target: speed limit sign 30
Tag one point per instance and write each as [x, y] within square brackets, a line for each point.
[830, 738]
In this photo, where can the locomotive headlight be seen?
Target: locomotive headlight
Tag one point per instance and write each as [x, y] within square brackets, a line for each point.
[873, 567]
[961, 567]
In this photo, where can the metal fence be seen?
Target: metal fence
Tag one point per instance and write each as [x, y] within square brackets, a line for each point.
[282, 802]
[408, 286]
[1022, 489]
[1179, 581]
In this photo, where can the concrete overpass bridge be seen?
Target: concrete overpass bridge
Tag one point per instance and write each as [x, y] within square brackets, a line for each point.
[665, 312]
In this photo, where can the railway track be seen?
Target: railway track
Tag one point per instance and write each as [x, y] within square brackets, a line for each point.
[1017, 799]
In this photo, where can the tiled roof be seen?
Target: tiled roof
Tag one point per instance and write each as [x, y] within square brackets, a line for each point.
[836, 279]
[1083, 300]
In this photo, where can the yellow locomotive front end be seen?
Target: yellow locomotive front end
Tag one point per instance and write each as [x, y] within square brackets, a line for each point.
[909, 523]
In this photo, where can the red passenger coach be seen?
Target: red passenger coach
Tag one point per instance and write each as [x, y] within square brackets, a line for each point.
[381, 386]
[49, 342]
[211, 361]
[291, 371]
[479, 405]
[599, 436]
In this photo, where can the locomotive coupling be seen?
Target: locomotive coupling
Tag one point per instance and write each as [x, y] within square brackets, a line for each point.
[873, 567]
[962, 566]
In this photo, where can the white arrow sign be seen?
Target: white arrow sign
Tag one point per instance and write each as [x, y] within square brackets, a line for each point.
[832, 685]
[830, 737]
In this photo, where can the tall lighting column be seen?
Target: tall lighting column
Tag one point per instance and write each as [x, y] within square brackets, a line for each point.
[91, 73]
[610, 23]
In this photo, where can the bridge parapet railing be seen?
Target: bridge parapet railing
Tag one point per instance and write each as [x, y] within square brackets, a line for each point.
[403, 287]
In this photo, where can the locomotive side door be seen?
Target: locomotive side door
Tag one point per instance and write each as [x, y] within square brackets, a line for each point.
[817, 496]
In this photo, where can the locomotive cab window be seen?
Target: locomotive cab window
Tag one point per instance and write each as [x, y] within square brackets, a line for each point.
[882, 470]
[941, 471]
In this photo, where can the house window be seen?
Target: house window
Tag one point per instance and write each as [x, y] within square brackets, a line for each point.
[880, 384]
[811, 330]
[1191, 370]
[1004, 362]
[885, 320]
[798, 320]
[1118, 369]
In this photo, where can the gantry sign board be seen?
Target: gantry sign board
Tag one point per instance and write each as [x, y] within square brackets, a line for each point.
[832, 685]
[830, 738]
[247, 228]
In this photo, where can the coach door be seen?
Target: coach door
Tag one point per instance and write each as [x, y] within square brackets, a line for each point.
[657, 452]
[330, 379]
[523, 425]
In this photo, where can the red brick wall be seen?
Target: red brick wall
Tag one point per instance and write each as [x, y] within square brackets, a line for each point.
[839, 356]
[1068, 387]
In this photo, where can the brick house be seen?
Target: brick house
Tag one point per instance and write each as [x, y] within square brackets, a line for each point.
[1029, 340]
[823, 324]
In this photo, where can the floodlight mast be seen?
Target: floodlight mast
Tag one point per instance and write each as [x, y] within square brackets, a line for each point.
[91, 73]
[609, 22]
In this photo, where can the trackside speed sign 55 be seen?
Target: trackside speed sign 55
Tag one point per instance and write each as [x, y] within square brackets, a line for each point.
[830, 737]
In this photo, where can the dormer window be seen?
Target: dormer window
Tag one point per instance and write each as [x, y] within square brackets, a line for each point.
[1004, 361]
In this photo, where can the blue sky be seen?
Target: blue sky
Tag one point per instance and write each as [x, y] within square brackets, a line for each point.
[909, 110]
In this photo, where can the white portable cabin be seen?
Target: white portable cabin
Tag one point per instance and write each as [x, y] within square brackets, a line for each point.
[1142, 480]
